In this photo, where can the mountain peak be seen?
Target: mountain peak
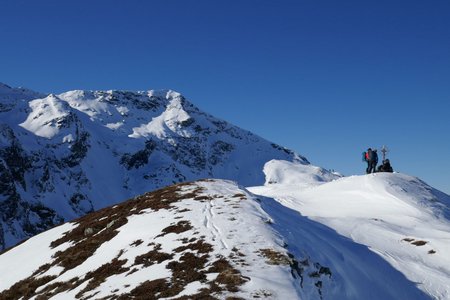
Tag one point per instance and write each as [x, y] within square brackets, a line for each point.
[10, 95]
[4, 86]
[60, 147]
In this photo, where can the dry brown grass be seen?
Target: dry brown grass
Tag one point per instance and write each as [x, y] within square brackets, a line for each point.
[275, 258]
[180, 227]
[58, 287]
[240, 196]
[136, 243]
[415, 242]
[203, 198]
[228, 276]
[148, 290]
[98, 276]
[103, 225]
[199, 246]
[152, 257]
[419, 243]
[25, 289]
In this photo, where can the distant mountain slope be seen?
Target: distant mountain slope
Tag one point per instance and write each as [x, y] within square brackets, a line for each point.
[62, 156]
[399, 217]
[208, 239]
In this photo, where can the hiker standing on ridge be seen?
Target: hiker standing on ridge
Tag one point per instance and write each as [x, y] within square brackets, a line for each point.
[371, 157]
[373, 161]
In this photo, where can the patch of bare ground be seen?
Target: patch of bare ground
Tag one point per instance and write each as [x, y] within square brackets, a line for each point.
[58, 287]
[261, 294]
[136, 243]
[240, 196]
[186, 240]
[228, 277]
[203, 198]
[415, 242]
[190, 268]
[41, 269]
[152, 257]
[148, 290]
[200, 246]
[238, 253]
[180, 227]
[317, 272]
[238, 257]
[25, 289]
[274, 257]
[419, 243]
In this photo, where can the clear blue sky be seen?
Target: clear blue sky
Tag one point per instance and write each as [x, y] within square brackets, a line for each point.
[325, 78]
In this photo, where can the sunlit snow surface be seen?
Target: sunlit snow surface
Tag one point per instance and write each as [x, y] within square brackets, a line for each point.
[399, 217]
[378, 236]
[344, 239]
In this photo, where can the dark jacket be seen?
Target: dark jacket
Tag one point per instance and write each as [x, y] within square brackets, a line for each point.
[373, 156]
[385, 167]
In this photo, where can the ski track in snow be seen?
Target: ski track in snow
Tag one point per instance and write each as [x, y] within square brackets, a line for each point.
[209, 214]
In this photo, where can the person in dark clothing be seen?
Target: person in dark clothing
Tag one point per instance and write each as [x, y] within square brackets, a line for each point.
[367, 155]
[386, 167]
[373, 161]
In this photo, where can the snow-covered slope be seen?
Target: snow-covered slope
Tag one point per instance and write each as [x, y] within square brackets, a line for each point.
[62, 156]
[208, 239]
[401, 218]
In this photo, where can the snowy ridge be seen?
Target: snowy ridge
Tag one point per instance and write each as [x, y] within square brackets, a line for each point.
[399, 217]
[297, 232]
[55, 151]
[203, 239]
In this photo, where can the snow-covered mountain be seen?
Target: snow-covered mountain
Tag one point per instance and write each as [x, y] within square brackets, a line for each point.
[62, 156]
[386, 236]
[280, 229]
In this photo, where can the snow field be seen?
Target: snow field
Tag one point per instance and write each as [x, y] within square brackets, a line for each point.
[396, 216]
